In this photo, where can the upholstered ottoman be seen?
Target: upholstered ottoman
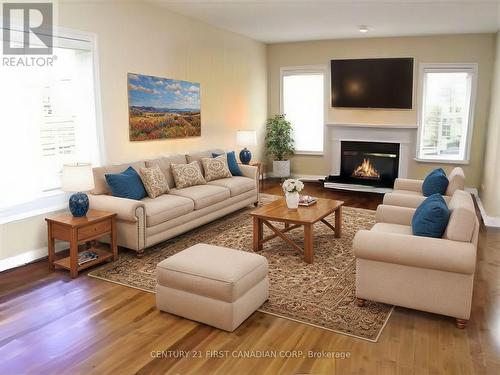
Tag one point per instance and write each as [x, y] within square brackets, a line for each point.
[214, 285]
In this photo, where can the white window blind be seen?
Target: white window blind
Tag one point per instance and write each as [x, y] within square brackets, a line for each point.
[303, 103]
[446, 112]
[49, 118]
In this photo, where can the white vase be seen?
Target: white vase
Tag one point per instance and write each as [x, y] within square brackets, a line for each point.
[281, 168]
[292, 200]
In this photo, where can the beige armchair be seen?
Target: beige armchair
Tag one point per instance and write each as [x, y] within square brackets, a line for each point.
[430, 274]
[408, 192]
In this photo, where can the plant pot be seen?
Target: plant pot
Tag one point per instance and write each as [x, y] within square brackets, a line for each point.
[292, 200]
[281, 168]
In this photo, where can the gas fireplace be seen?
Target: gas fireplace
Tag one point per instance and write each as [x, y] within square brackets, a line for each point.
[368, 163]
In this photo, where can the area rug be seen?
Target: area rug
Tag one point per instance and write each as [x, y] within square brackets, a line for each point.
[321, 294]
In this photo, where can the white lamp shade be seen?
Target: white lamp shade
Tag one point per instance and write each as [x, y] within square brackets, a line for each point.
[246, 138]
[77, 177]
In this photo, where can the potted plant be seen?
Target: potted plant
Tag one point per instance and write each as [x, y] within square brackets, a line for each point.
[279, 144]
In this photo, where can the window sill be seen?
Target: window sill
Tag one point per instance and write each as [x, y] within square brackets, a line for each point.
[309, 153]
[442, 161]
[56, 201]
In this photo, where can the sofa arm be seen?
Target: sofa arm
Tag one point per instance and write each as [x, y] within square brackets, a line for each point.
[126, 209]
[250, 171]
[408, 184]
[394, 214]
[415, 251]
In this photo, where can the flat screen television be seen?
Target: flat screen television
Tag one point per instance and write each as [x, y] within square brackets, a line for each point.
[372, 83]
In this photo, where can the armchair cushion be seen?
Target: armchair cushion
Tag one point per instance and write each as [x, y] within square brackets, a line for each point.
[435, 182]
[406, 184]
[431, 217]
[394, 215]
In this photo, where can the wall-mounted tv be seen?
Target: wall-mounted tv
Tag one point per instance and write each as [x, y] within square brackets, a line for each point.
[372, 83]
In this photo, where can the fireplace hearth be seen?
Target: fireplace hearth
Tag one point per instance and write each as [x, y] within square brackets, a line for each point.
[369, 164]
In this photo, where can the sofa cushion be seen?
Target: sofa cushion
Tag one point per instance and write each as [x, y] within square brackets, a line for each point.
[166, 207]
[197, 156]
[462, 219]
[126, 184]
[435, 182]
[232, 163]
[154, 181]
[456, 181]
[203, 195]
[186, 175]
[237, 185]
[203, 270]
[431, 217]
[392, 228]
[164, 164]
[100, 184]
[216, 168]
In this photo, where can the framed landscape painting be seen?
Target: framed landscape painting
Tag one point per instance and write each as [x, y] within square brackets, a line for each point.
[161, 108]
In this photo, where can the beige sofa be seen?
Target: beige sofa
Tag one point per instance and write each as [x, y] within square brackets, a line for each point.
[144, 223]
[408, 192]
[430, 274]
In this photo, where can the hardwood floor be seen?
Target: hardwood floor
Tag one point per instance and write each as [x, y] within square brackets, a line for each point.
[50, 324]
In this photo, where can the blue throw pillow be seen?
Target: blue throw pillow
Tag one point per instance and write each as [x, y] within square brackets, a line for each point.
[127, 184]
[435, 182]
[431, 217]
[234, 168]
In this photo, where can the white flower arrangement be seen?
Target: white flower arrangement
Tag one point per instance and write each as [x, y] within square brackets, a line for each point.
[292, 185]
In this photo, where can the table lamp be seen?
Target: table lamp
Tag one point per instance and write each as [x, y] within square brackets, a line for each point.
[77, 178]
[246, 138]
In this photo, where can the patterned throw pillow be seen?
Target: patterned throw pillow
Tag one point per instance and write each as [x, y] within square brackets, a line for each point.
[186, 175]
[216, 168]
[154, 181]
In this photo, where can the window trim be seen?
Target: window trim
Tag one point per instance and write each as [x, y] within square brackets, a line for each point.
[309, 69]
[56, 199]
[447, 67]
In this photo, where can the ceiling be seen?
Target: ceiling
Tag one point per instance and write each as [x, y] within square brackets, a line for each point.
[276, 21]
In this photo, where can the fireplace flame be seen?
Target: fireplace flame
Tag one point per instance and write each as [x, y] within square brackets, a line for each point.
[365, 170]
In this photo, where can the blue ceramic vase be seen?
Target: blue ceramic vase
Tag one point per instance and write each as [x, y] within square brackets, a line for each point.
[79, 204]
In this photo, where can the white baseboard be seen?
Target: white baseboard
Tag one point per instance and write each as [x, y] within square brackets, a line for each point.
[489, 221]
[302, 177]
[28, 257]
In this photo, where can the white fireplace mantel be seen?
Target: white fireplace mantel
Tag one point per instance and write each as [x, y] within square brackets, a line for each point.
[405, 135]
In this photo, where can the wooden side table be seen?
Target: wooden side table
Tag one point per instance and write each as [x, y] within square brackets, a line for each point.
[78, 230]
[260, 167]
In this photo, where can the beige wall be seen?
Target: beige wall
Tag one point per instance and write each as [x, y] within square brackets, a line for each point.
[490, 189]
[477, 48]
[143, 38]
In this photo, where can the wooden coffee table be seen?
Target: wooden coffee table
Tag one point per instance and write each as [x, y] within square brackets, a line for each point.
[305, 216]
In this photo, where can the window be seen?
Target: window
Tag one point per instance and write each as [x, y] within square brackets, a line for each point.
[49, 118]
[446, 112]
[303, 103]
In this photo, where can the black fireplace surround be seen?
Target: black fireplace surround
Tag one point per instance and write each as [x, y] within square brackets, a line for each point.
[368, 163]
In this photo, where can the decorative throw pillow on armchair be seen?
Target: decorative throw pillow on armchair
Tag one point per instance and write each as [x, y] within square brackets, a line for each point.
[431, 217]
[435, 182]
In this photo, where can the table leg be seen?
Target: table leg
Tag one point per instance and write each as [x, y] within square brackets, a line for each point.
[338, 222]
[50, 245]
[73, 254]
[308, 243]
[114, 245]
[258, 234]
